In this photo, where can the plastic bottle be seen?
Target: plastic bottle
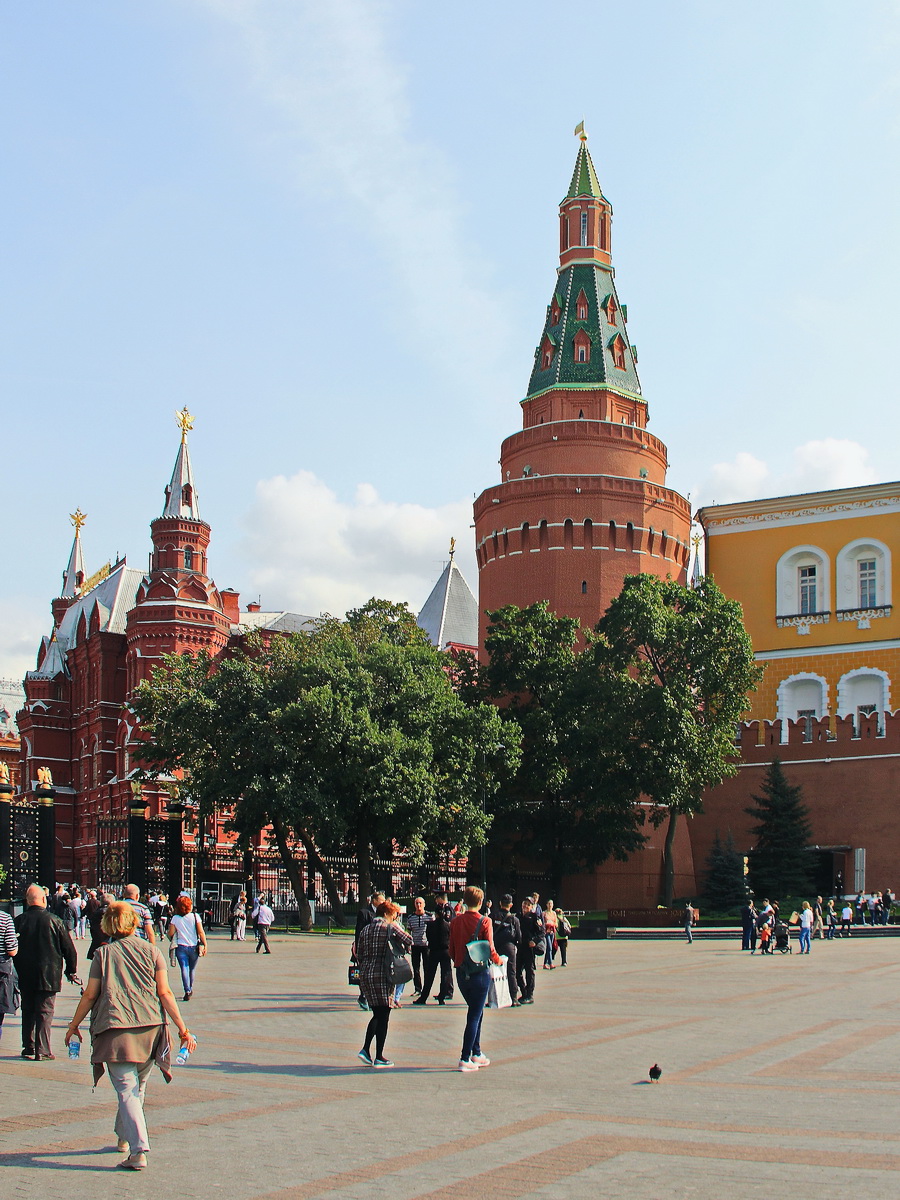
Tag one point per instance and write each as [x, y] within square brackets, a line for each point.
[183, 1055]
[74, 1047]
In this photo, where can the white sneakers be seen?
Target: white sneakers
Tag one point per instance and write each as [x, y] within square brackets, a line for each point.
[473, 1063]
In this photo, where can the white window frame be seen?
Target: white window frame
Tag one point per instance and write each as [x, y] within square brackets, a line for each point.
[787, 579]
[787, 711]
[847, 572]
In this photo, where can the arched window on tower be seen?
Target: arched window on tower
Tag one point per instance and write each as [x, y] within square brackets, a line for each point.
[189, 558]
[581, 347]
[611, 309]
[581, 307]
[618, 352]
[584, 587]
[602, 232]
[584, 229]
[564, 231]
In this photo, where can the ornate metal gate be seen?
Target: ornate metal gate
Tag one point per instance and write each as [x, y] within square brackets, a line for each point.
[23, 844]
[112, 853]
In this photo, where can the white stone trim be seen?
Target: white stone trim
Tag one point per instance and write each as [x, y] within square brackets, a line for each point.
[844, 709]
[787, 597]
[846, 576]
[784, 685]
[839, 648]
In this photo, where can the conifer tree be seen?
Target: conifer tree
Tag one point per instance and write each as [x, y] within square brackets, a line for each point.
[725, 885]
[779, 862]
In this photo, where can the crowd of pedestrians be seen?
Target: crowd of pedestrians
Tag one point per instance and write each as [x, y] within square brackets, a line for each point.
[764, 927]
[440, 943]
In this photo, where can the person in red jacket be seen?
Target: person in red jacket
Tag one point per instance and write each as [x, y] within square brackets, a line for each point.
[473, 978]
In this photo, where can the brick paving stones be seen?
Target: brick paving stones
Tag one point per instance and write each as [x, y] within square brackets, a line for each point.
[780, 1079]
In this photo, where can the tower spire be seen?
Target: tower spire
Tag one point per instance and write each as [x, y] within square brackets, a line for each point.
[181, 495]
[73, 576]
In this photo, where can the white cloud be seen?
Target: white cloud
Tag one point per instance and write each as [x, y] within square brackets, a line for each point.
[815, 466]
[308, 551]
[342, 118]
[21, 630]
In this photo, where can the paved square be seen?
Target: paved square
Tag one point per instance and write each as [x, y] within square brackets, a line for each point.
[780, 1079]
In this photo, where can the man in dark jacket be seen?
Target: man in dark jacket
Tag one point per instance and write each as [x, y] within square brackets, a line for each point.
[507, 940]
[437, 934]
[532, 927]
[44, 944]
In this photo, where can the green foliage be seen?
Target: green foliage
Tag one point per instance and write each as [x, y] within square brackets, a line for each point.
[572, 803]
[780, 864]
[725, 887]
[684, 665]
[350, 735]
[648, 706]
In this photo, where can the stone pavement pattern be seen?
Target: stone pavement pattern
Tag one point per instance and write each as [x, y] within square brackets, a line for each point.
[780, 1079]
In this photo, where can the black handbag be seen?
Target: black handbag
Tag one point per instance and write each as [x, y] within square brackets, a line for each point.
[353, 974]
[399, 968]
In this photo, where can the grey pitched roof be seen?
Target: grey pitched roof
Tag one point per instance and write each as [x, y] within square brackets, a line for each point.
[181, 495]
[282, 622]
[450, 614]
[113, 597]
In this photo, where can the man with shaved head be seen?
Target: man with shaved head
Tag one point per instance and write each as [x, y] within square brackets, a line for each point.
[44, 945]
[132, 896]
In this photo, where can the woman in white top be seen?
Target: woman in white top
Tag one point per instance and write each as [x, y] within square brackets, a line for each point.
[189, 936]
[806, 923]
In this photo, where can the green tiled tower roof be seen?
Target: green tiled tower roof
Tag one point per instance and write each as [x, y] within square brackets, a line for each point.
[584, 177]
[599, 286]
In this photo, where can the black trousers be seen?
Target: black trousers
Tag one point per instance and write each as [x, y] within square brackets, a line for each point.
[525, 973]
[438, 958]
[509, 949]
[37, 1018]
[419, 957]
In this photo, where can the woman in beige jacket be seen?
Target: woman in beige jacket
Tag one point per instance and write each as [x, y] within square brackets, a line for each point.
[128, 995]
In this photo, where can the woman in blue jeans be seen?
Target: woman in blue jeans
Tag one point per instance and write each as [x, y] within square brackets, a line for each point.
[189, 937]
[473, 979]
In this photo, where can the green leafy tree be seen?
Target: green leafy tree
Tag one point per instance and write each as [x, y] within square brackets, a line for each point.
[725, 887]
[572, 804]
[683, 664]
[780, 864]
[350, 736]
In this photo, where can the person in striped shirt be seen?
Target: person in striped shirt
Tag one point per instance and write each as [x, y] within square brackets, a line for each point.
[416, 921]
[9, 947]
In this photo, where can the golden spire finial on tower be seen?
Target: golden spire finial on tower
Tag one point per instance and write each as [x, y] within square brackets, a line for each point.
[581, 132]
[185, 422]
[77, 518]
[452, 548]
[696, 539]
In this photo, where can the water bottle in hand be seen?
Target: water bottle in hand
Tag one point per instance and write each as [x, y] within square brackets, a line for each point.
[74, 1047]
[183, 1055]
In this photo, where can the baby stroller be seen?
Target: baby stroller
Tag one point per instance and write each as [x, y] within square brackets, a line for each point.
[783, 938]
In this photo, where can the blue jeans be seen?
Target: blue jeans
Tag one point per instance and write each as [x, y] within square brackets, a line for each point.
[187, 959]
[474, 990]
[804, 939]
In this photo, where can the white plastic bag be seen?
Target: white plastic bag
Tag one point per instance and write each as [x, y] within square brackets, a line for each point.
[498, 992]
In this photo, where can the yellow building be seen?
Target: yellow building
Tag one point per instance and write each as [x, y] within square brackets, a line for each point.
[814, 576]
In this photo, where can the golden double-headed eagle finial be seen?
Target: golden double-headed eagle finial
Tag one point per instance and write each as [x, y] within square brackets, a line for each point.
[77, 518]
[185, 422]
[452, 547]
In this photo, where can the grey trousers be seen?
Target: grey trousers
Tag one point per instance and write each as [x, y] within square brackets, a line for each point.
[130, 1082]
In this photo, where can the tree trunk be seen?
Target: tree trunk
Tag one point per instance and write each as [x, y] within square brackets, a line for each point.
[316, 862]
[293, 873]
[669, 861]
[364, 863]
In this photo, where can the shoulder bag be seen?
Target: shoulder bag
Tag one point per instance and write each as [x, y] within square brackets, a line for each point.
[398, 966]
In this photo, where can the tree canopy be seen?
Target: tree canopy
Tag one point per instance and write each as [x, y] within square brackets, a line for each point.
[685, 665]
[349, 737]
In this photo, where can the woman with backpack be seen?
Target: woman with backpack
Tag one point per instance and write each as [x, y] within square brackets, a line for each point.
[472, 974]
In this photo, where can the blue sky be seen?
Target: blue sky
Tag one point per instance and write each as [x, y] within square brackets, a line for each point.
[330, 231]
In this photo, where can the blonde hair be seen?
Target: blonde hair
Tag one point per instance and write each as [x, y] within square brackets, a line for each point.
[120, 918]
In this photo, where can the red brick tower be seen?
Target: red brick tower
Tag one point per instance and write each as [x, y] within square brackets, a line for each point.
[177, 607]
[582, 500]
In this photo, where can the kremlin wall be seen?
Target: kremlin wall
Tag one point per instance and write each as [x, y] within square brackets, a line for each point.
[581, 503]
